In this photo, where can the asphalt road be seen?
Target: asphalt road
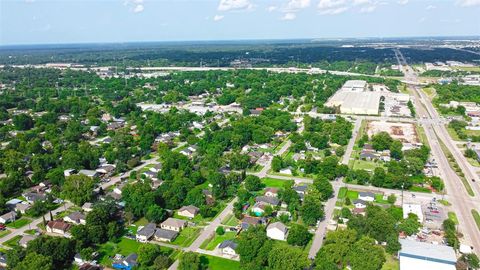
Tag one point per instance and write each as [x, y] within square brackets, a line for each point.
[462, 203]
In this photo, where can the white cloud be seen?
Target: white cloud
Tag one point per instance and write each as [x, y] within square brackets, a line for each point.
[138, 8]
[289, 16]
[468, 3]
[294, 5]
[333, 11]
[218, 18]
[272, 8]
[422, 20]
[226, 5]
[430, 7]
[368, 9]
[330, 4]
[402, 2]
[361, 2]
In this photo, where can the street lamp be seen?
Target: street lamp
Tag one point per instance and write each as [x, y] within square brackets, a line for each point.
[402, 192]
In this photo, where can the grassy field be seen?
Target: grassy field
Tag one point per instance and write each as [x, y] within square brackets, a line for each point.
[454, 165]
[13, 242]
[186, 237]
[230, 220]
[342, 192]
[421, 134]
[4, 233]
[212, 243]
[444, 202]
[216, 263]
[476, 217]
[352, 195]
[272, 182]
[453, 217]
[366, 165]
[19, 223]
[453, 134]
[391, 263]
[125, 247]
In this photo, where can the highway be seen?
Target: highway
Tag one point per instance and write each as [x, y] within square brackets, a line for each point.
[458, 196]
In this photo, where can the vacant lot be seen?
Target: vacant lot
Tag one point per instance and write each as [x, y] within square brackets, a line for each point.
[405, 132]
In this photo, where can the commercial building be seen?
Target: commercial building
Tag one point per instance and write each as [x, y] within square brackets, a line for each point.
[419, 255]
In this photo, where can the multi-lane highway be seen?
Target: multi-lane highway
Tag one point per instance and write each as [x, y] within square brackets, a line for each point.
[458, 196]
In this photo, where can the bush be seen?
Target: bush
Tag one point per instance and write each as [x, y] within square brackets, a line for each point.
[220, 230]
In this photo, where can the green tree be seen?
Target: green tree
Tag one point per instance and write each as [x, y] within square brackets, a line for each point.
[312, 208]
[277, 163]
[284, 257]
[78, 189]
[253, 183]
[162, 262]
[189, 261]
[155, 214]
[381, 141]
[298, 235]
[410, 225]
[35, 261]
[147, 254]
[396, 150]
[324, 187]
[365, 255]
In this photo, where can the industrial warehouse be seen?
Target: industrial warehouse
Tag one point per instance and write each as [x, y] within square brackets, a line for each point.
[355, 97]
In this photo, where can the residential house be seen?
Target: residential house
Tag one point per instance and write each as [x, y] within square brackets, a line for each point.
[163, 235]
[259, 208]
[271, 192]
[360, 204]
[23, 242]
[32, 197]
[366, 196]
[128, 263]
[248, 221]
[228, 247]
[8, 217]
[69, 172]
[22, 207]
[301, 190]
[173, 224]
[87, 266]
[58, 227]
[3, 260]
[269, 200]
[188, 211]
[87, 207]
[89, 173]
[145, 233]
[277, 231]
[76, 218]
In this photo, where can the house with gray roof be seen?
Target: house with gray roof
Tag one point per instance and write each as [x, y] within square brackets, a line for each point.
[163, 235]
[145, 233]
[270, 200]
[173, 224]
[228, 247]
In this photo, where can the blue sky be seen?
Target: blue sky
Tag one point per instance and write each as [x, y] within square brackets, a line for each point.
[78, 21]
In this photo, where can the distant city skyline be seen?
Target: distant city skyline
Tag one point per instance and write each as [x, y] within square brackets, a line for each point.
[109, 21]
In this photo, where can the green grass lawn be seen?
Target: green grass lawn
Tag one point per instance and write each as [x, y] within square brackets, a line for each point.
[453, 134]
[272, 182]
[421, 134]
[19, 223]
[444, 202]
[453, 217]
[342, 192]
[391, 263]
[476, 217]
[352, 194]
[4, 233]
[366, 165]
[216, 263]
[141, 222]
[379, 199]
[125, 247]
[212, 243]
[31, 232]
[230, 220]
[13, 242]
[186, 236]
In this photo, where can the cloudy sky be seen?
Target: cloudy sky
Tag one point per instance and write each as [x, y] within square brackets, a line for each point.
[78, 21]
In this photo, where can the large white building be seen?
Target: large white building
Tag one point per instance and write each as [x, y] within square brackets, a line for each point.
[353, 98]
[416, 255]
[414, 209]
